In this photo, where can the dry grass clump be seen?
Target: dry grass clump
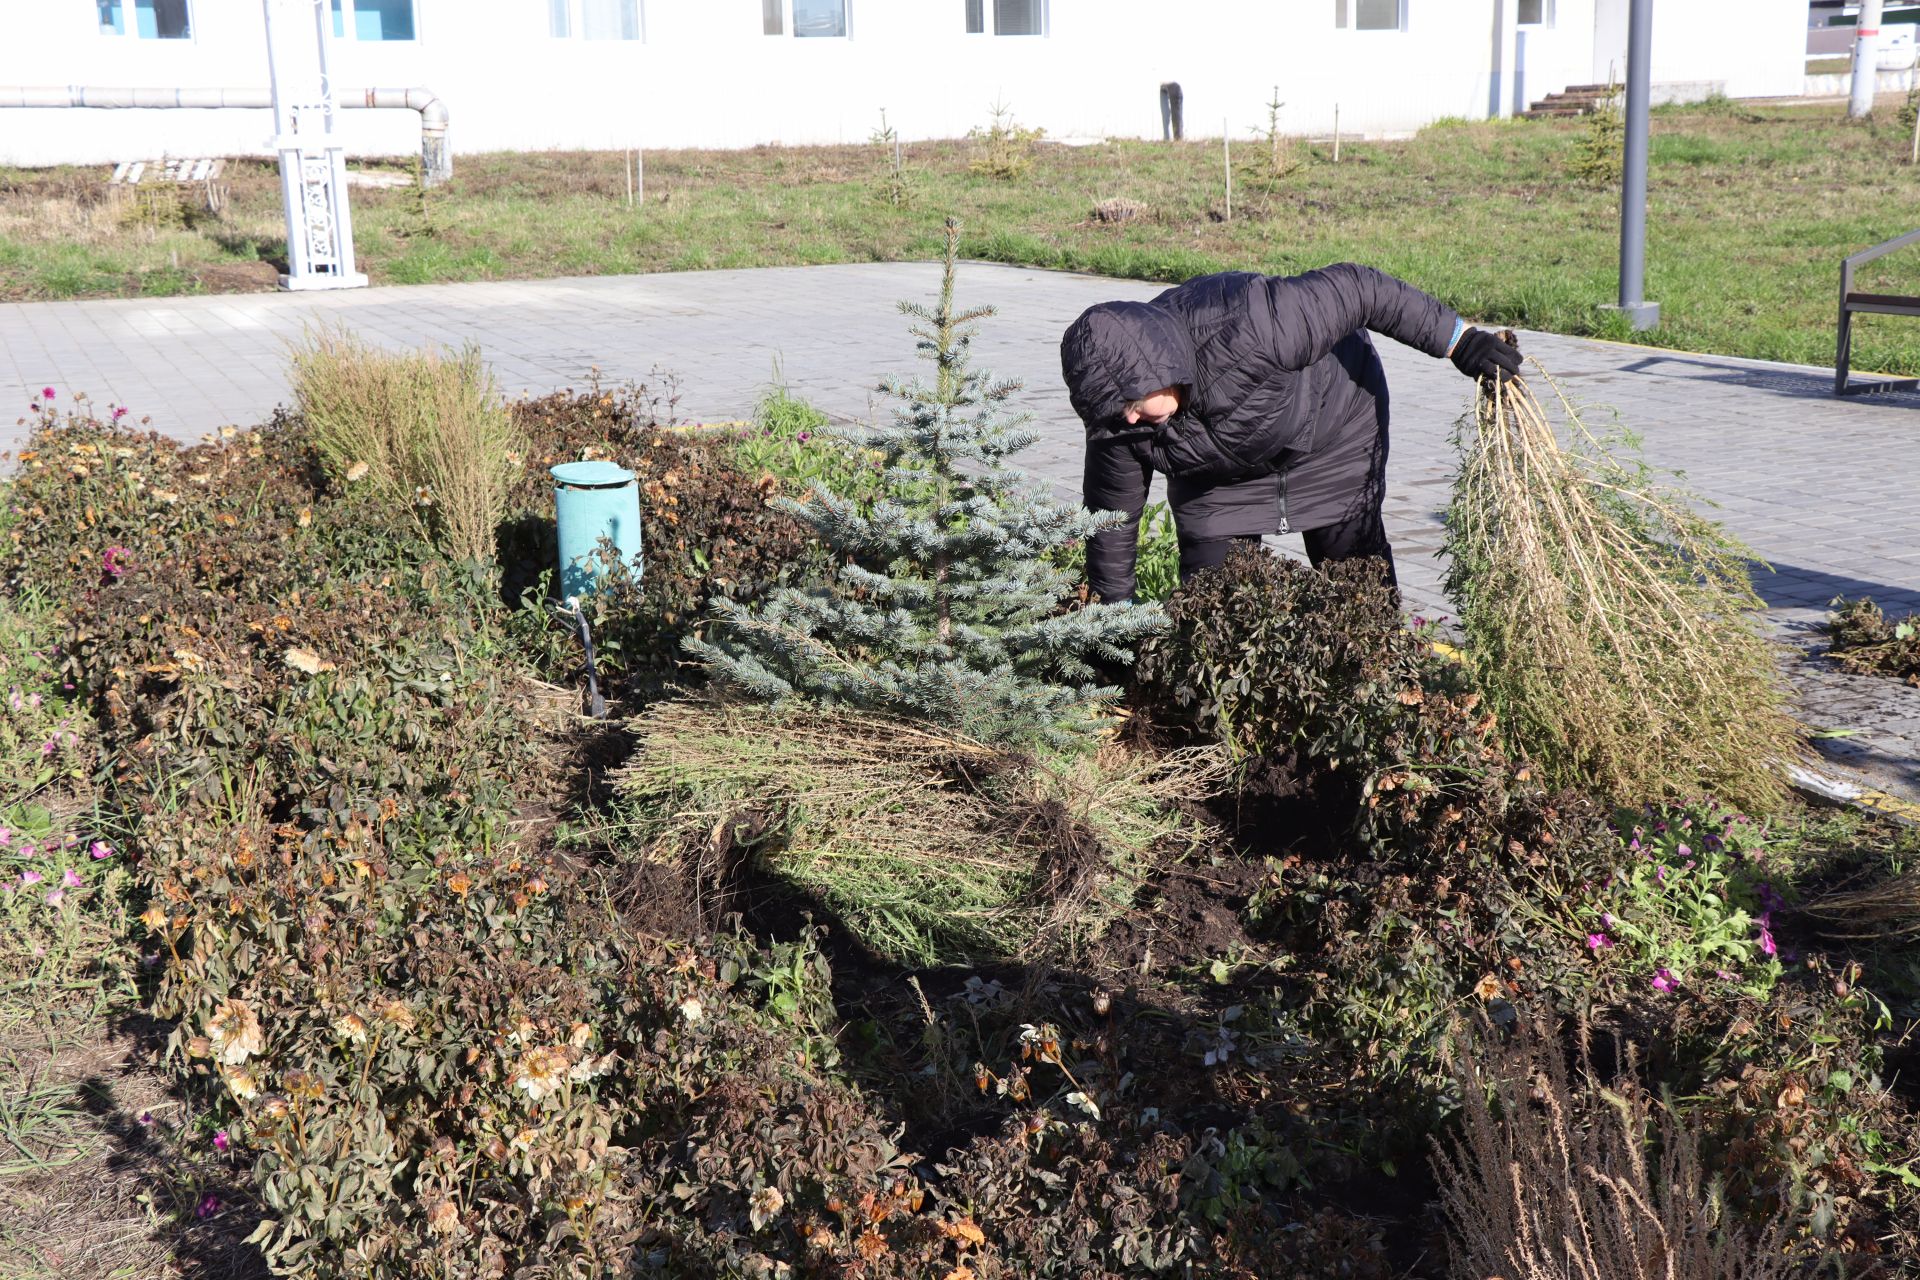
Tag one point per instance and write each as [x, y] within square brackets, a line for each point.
[928, 847]
[1886, 909]
[424, 430]
[1614, 630]
[1552, 1179]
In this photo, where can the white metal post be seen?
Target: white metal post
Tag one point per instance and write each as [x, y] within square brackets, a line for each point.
[1866, 60]
[313, 162]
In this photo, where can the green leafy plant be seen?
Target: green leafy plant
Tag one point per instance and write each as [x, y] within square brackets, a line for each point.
[1691, 904]
[949, 607]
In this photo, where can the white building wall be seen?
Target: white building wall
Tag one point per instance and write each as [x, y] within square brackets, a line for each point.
[705, 75]
[1741, 48]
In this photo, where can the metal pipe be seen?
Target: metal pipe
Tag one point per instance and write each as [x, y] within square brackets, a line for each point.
[1866, 61]
[1640, 313]
[436, 156]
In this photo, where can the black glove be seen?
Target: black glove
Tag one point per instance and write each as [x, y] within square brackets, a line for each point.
[1480, 354]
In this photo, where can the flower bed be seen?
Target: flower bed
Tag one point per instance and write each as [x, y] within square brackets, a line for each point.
[436, 987]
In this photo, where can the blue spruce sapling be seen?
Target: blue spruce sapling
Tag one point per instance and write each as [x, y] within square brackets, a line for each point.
[950, 606]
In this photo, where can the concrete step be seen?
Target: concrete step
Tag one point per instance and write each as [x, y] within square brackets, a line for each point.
[1552, 113]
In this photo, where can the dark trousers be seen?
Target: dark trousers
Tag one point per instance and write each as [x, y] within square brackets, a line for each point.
[1364, 535]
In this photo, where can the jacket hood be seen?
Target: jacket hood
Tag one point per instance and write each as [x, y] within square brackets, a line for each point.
[1120, 351]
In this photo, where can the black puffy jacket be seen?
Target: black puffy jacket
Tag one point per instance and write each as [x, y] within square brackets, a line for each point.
[1277, 372]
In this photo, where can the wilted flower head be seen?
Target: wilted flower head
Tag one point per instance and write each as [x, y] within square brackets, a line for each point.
[443, 1219]
[242, 1084]
[235, 1032]
[397, 1013]
[540, 1072]
[764, 1205]
[351, 1027]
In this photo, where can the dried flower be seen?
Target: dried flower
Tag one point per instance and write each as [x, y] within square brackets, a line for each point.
[443, 1219]
[235, 1032]
[242, 1084]
[764, 1205]
[540, 1072]
[351, 1027]
[357, 471]
[397, 1013]
[691, 1010]
[100, 849]
[154, 917]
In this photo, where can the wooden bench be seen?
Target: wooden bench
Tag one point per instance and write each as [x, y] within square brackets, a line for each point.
[1871, 304]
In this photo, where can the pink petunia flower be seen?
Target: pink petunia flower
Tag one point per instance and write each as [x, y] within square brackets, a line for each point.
[46, 393]
[72, 879]
[119, 413]
[1663, 980]
[56, 896]
[208, 1206]
[1685, 851]
[221, 1142]
[1598, 942]
[100, 849]
[31, 877]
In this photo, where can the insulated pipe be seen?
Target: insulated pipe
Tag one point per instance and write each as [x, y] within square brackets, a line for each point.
[436, 157]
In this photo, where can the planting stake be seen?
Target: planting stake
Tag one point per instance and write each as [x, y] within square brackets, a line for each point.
[1336, 133]
[1226, 158]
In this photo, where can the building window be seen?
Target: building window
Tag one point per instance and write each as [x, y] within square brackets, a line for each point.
[820, 17]
[804, 17]
[559, 19]
[610, 19]
[373, 19]
[1535, 13]
[976, 17]
[1371, 15]
[1020, 17]
[152, 19]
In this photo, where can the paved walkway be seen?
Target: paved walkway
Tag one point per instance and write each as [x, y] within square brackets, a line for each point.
[1827, 491]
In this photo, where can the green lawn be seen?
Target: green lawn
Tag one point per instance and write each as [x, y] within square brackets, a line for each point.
[1752, 209]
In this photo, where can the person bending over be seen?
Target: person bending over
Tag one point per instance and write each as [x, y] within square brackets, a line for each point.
[1263, 403]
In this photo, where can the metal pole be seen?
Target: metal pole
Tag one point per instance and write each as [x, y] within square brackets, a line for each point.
[1640, 313]
[1866, 60]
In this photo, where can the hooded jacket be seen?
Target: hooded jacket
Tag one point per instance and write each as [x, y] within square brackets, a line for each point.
[1275, 371]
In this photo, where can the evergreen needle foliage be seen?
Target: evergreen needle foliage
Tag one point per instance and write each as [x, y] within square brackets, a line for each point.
[950, 607]
[1613, 629]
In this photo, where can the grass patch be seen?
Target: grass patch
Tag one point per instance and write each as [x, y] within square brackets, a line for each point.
[1752, 208]
[928, 847]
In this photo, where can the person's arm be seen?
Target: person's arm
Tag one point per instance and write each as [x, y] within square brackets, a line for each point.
[1116, 480]
[1311, 312]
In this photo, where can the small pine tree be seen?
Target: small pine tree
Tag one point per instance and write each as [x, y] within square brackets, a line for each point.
[950, 607]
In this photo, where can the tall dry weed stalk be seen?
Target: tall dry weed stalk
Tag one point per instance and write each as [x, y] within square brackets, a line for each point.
[1563, 1177]
[1614, 629]
[424, 430]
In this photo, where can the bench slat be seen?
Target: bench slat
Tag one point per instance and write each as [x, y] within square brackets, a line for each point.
[1885, 304]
